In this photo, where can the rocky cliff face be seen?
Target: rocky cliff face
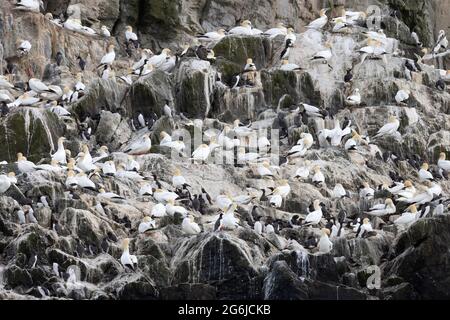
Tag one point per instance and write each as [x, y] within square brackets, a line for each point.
[238, 264]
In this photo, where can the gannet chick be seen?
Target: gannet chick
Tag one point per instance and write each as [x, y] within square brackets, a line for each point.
[402, 96]
[286, 66]
[325, 245]
[213, 35]
[318, 177]
[407, 217]
[244, 29]
[190, 227]
[24, 165]
[383, 209]
[314, 217]
[60, 154]
[390, 128]
[354, 99]
[442, 163]
[147, 224]
[141, 146]
[105, 32]
[23, 47]
[365, 228]
[108, 58]
[366, 192]
[303, 172]
[320, 22]
[127, 260]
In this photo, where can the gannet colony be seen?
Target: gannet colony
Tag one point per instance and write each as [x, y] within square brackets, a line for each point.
[195, 149]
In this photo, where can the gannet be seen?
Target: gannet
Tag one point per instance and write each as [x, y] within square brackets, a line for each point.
[407, 217]
[441, 43]
[147, 224]
[263, 170]
[130, 36]
[38, 86]
[141, 146]
[244, 29]
[303, 172]
[145, 55]
[276, 199]
[164, 195]
[314, 217]
[79, 85]
[190, 227]
[178, 181]
[23, 47]
[365, 227]
[353, 142]
[286, 66]
[258, 226]
[24, 165]
[223, 201]
[408, 192]
[324, 55]
[132, 165]
[102, 154]
[280, 29]
[402, 96]
[303, 145]
[201, 153]
[171, 209]
[339, 191]
[159, 210]
[325, 245]
[108, 195]
[269, 229]
[145, 189]
[366, 192]
[105, 32]
[128, 260]
[421, 198]
[108, 58]
[354, 99]
[83, 181]
[442, 163]
[310, 111]
[69, 95]
[49, 17]
[109, 168]
[248, 157]
[60, 154]
[383, 209]
[213, 35]
[224, 141]
[123, 173]
[84, 163]
[12, 177]
[241, 131]
[320, 22]
[52, 167]
[318, 177]
[32, 5]
[4, 83]
[390, 128]
[229, 221]
[158, 60]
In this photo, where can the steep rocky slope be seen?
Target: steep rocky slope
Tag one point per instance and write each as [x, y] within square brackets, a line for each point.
[237, 264]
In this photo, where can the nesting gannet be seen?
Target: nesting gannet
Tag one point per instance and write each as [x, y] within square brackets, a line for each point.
[340, 24]
[290, 35]
[390, 128]
[108, 58]
[241, 131]
[339, 191]
[442, 163]
[69, 95]
[320, 22]
[365, 227]
[223, 201]
[244, 29]
[164, 196]
[147, 224]
[201, 153]
[407, 217]
[38, 86]
[109, 168]
[23, 47]
[303, 172]
[145, 55]
[303, 145]
[132, 164]
[383, 209]
[60, 154]
[408, 191]
[159, 210]
[140, 147]
[102, 153]
[402, 96]
[213, 35]
[325, 245]
[353, 142]
[248, 157]
[102, 194]
[79, 85]
[159, 59]
[421, 198]
[286, 66]
[366, 192]
[105, 32]
[128, 260]
[24, 165]
[229, 221]
[130, 36]
[146, 189]
[171, 208]
[263, 170]
[280, 29]
[190, 227]
[318, 177]
[354, 99]
[314, 217]
[310, 111]
[441, 43]
[4, 83]
[84, 163]
[178, 181]
[324, 55]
